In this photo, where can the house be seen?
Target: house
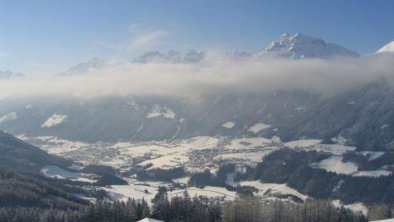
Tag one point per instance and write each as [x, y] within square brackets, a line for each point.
[149, 220]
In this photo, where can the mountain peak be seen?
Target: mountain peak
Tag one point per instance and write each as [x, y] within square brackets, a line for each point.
[300, 46]
[389, 47]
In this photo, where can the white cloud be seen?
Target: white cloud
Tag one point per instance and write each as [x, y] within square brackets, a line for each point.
[210, 76]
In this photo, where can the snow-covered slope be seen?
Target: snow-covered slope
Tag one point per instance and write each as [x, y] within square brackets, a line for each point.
[300, 46]
[389, 47]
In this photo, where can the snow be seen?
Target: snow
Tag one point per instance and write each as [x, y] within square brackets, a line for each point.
[136, 191]
[228, 125]
[54, 145]
[302, 143]
[258, 127]
[172, 155]
[389, 47]
[208, 191]
[336, 165]
[253, 157]
[336, 149]
[8, 117]
[83, 197]
[384, 126]
[274, 187]
[54, 120]
[166, 162]
[371, 155]
[247, 143]
[158, 111]
[149, 220]
[182, 180]
[301, 46]
[373, 173]
[57, 172]
[339, 140]
[355, 207]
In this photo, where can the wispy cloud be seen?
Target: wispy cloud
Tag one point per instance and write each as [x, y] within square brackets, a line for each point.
[147, 41]
[139, 40]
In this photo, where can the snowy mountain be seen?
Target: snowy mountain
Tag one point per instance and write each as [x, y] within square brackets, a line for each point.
[300, 46]
[171, 57]
[296, 46]
[389, 47]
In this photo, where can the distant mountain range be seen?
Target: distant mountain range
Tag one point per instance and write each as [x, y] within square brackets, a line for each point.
[298, 46]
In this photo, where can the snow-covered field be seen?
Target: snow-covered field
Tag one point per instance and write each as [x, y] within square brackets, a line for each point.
[337, 165]
[199, 153]
[208, 191]
[355, 207]
[56, 172]
[273, 188]
[303, 143]
[123, 192]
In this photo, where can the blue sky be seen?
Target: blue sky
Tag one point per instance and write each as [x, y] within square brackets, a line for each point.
[42, 37]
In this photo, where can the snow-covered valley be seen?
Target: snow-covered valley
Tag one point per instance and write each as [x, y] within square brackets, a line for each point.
[194, 155]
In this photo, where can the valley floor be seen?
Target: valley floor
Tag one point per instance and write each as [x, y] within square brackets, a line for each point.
[194, 155]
